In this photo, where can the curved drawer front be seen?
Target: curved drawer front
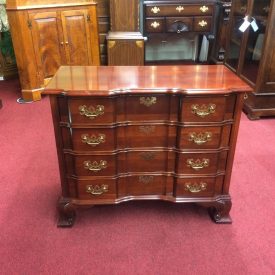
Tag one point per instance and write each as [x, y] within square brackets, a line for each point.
[204, 137]
[207, 109]
[146, 161]
[96, 189]
[121, 137]
[201, 163]
[178, 10]
[94, 165]
[198, 187]
[142, 185]
[92, 111]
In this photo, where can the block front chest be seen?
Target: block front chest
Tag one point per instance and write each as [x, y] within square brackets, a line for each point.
[151, 145]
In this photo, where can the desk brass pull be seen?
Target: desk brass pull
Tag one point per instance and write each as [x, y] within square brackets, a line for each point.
[145, 179]
[204, 9]
[91, 112]
[180, 8]
[197, 164]
[147, 129]
[93, 140]
[97, 190]
[195, 187]
[202, 23]
[200, 138]
[95, 166]
[203, 110]
[148, 101]
[148, 155]
[155, 10]
[155, 24]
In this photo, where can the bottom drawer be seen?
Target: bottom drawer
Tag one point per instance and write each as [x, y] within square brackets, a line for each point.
[98, 189]
[142, 185]
[198, 187]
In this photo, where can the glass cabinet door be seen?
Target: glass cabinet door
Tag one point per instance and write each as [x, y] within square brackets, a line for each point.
[234, 47]
[255, 41]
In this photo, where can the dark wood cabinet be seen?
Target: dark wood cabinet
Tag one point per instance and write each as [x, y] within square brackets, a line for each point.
[146, 133]
[252, 54]
[174, 26]
[49, 34]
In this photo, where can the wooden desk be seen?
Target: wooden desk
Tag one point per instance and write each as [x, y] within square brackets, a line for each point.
[143, 133]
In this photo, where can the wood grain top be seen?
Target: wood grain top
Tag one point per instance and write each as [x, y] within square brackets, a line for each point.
[111, 80]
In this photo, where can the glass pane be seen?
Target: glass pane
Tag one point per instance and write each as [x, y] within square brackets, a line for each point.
[233, 53]
[254, 47]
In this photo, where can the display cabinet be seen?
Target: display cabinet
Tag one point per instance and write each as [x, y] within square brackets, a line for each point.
[251, 54]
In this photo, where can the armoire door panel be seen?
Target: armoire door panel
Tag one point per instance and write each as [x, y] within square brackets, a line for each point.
[76, 36]
[47, 42]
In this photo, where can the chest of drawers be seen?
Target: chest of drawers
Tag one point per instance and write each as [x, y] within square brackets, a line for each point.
[138, 133]
[179, 16]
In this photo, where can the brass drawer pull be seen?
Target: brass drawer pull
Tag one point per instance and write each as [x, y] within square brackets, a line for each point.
[203, 110]
[180, 8]
[155, 24]
[148, 155]
[95, 166]
[97, 190]
[155, 10]
[91, 112]
[204, 9]
[145, 179]
[195, 187]
[93, 140]
[197, 164]
[200, 138]
[148, 101]
[202, 23]
[148, 129]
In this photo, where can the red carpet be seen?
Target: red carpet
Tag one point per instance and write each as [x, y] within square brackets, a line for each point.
[131, 238]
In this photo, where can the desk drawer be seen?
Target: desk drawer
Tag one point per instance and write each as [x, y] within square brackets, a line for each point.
[178, 10]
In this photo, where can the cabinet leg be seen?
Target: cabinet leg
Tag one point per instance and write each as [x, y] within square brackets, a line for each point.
[66, 213]
[220, 211]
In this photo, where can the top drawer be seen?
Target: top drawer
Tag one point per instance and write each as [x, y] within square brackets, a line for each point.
[178, 10]
[208, 109]
[120, 109]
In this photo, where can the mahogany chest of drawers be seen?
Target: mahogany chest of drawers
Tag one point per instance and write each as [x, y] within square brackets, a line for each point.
[179, 16]
[138, 133]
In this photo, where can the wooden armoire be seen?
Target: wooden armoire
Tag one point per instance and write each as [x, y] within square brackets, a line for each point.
[49, 33]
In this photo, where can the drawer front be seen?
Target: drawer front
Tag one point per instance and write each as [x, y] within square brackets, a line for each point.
[92, 111]
[179, 24]
[142, 185]
[146, 136]
[146, 161]
[202, 24]
[93, 139]
[97, 189]
[178, 10]
[148, 108]
[204, 137]
[198, 187]
[203, 109]
[95, 165]
[155, 24]
[201, 163]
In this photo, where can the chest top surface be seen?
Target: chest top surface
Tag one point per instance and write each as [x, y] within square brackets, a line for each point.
[112, 80]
